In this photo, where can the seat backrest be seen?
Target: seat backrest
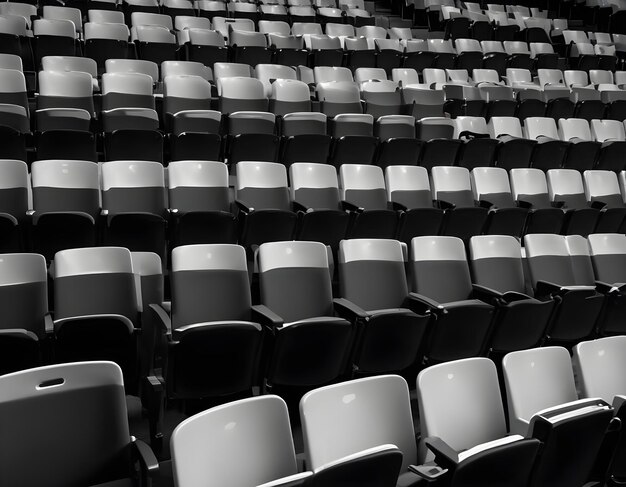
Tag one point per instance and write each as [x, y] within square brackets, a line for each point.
[460, 403]
[492, 184]
[324, 74]
[505, 126]
[440, 269]
[14, 188]
[535, 127]
[574, 128]
[133, 186]
[198, 186]
[65, 185]
[133, 66]
[314, 185]
[548, 259]
[70, 63]
[600, 364]
[536, 379]
[550, 77]
[603, 186]
[363, 185]
[84, 401]
[209, 283]
[574, 77]
[452, 184]
[345, 418]
[598, 76]
[476, 125]
[604, 130]
[189, 68]
[496, 262]
[608, 255]
[24, 292]
[94, 280]
[262, 185]
[566, 185]
[529, 184]
[409, 186]
[371, 273]
[231, 70]
[208, 447]
[295, 280]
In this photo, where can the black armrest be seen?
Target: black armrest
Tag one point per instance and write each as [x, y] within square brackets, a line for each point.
[398, 206]
[445, 455]
[511, 296]
[348, 310]
[147, 461]
[429, 473]
[444, 205]
[524, 204]
[558, 204]
[48, 324]
[485, 204]
[544, 288]
[424, 304]
[266, 317]
[241, 206]
[300, 207]
[597, 205]
[485, 293]
[348, 206]
[606, 288]
[163, 319]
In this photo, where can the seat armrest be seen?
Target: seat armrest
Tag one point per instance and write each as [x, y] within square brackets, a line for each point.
[423, 304]
[524, 204]
[348, 206]
[511, 296]
[300, 207]
[266, 317]
[597, 205]
[147, 461]
[485, 293]
[163, 319]
[429, 473]
[48, 324]
[243, 207]
[606, 288]
[348, 310]
[445, 455]
[395, 206]
[444, 205]
[485, 204]
[129, 324]
[558, 204]
[544, 288]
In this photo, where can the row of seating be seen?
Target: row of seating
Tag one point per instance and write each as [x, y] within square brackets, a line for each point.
[462, 424]
[468, 439]
[376, 326]
[129, 204]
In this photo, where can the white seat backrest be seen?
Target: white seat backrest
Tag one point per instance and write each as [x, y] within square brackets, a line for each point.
[564, 182]
[207, 446]
[449, 178]
[575, 78]
[460, 403]
[406, 178]
[505, 126]
[603, 130]
[574, 128]
[535, 127]
[333, 419]
[536, 379]
[600, 183]
[261, 175]
[489, 180]
[528, 181]
[600, 366]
